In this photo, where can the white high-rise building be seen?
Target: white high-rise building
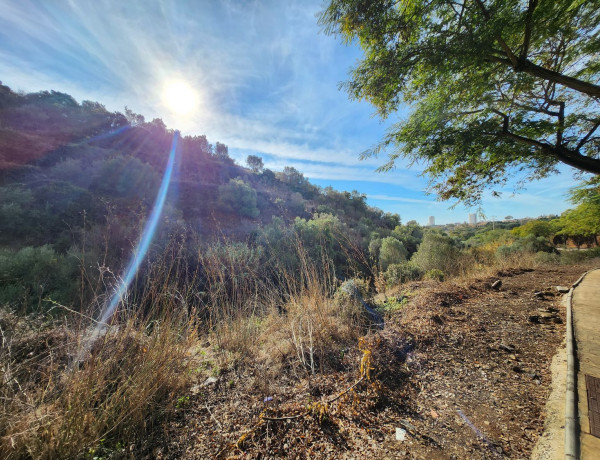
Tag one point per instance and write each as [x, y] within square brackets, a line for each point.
[473, 219]
[431, 221]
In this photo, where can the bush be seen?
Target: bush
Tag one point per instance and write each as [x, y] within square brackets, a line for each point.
[573, 257]
[393, 304]
[530, 244]
[239, 196]
[547, 258]
[401, 273]
[437, 252]
[352, 288]
[392, 251]
[32, 276]
[435, 274]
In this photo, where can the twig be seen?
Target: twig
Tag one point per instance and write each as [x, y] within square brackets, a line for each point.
[56, 304]
[213, 417]
[346, 390]
[303, 414]
[290, 417]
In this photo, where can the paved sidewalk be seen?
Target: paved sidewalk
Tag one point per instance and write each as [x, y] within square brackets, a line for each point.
[586, 325]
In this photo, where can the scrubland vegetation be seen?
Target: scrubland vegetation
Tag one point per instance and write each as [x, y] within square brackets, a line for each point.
[248, 267]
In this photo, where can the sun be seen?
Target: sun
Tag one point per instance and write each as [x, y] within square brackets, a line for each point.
[180, 97]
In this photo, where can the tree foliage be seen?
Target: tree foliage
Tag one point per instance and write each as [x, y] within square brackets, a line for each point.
[255, 163]
[239, 196]
[496, 87]
[582, 224]
[392, 252]
[536, 228]
[436, 252]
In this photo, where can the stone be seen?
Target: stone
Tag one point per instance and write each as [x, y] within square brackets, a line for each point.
[210, 381]
[400, 434]
[562, 289]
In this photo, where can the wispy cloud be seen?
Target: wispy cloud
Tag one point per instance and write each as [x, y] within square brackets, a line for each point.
[398, 199]
[267, 80]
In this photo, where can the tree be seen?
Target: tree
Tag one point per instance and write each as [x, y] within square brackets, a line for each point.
[255, 163]
[581, 224]
[222, 151]
[495, 86]
[239, 196]
[133, 118]
[536, 228]
[437, 252]
[392, 252]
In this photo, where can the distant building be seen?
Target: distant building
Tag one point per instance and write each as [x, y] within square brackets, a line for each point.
[472, 219]
[431, 221]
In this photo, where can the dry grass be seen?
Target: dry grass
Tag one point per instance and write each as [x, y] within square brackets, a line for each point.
[54, 406]
[68, 390]
[277, 317]
[64, 395]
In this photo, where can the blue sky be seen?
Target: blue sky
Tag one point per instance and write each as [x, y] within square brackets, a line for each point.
[267, 83]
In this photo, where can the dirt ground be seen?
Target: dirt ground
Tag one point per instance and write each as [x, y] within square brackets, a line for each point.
[461, 371]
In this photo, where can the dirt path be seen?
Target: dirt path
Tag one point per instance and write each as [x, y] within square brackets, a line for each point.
[462, 371]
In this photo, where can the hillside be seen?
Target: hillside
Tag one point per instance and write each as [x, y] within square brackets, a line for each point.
[259, 305]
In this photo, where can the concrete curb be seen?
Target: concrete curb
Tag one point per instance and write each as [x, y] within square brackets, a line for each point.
[571, 417]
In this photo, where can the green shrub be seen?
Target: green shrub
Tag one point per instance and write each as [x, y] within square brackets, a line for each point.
[439, 252]
[530, 244]
[239, 196]
[392, 251]
[31, 276]
[547, 258]
[401, 273]
[573, 257]
[352, 287]
[392, 304]
[435, 274]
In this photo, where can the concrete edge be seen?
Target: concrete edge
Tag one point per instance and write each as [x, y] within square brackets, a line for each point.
[571, 416]
[571, 432]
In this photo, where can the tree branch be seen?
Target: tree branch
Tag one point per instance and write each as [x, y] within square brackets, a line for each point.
[486, 14]
[556, 77]
[531, 108]
[528, 28]
[561, 123]
[587, 136]
[567, 156]
[522, 64]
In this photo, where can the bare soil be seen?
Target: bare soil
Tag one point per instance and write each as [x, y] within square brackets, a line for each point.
[462, 370]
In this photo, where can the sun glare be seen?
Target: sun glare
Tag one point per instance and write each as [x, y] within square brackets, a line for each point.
[180, 97]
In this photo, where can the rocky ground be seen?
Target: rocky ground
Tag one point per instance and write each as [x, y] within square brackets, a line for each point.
[461, 371]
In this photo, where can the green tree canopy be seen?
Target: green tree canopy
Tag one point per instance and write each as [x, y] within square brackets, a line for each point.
[536, 228]
[239, 196]
[436, 252]
[392, 252]
[255, 163]
[495, 87]
[581, 223]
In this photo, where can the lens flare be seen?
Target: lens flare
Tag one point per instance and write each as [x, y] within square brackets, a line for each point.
[144, 243]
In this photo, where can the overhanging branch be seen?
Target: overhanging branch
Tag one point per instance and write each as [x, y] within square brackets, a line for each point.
[570, 157]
